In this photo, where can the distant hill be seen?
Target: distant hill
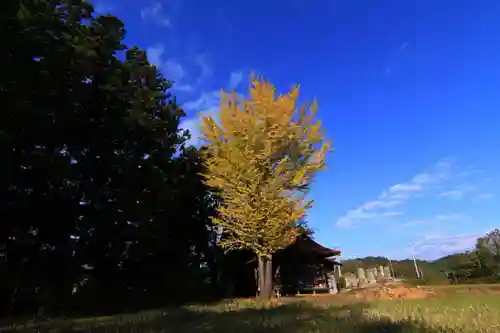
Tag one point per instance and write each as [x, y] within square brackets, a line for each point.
[433, 271]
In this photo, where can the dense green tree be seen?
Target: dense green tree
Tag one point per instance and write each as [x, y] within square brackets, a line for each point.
[487, 254]
[100, 201]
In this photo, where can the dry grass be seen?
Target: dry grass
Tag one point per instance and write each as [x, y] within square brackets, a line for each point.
[459, 309]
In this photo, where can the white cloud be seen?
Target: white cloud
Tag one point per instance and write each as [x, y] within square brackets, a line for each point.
[169, 67]
[425, 178]
[367, 211]
[435, 220]
[235, 79]
[404, 46]
[458, 192]
[470, 171]
[193, 125]
[172, 69]
[183, 87]
[155, 15]
[155, 53]
[103, 7]
[396, 195]
[354, 215]
[380, 204]
[206, 104]
[450, 217]
[205, 69]
[398, 188]
[437, 244]
[413, 222]
[485, 196]
[454, 193]
[392, 213]
[400, 196]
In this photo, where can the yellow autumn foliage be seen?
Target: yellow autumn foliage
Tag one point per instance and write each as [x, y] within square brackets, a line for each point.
[261, 156]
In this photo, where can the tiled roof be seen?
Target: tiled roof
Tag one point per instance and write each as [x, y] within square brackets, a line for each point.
[324, 251]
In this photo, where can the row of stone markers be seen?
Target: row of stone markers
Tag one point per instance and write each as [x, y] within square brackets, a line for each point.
[368, 276]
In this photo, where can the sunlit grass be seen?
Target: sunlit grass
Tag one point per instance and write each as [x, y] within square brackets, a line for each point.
[455, 313]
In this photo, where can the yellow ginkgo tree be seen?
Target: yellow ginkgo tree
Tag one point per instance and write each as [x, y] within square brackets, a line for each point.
[261, 154]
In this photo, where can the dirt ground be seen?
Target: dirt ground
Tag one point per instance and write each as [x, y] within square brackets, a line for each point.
[394, 291]
[384, 291]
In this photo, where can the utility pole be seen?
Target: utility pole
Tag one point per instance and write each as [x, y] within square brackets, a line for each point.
[416, 267]
[392, 269]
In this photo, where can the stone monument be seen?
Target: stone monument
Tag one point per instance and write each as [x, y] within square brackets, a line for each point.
[370, 277]
[387, 271]
[381, 271]
[361, 277]
[351, 281]
[332, 283]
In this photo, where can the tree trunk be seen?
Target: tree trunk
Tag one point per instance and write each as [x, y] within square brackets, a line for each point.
[260, 276]
[265, 276]
[269, 277]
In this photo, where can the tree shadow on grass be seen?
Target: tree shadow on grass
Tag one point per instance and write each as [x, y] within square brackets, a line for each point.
[290, 318]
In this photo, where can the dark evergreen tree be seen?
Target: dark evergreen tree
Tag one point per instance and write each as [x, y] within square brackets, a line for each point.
[100, 201]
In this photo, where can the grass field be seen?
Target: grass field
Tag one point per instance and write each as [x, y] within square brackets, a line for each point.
[454, 309]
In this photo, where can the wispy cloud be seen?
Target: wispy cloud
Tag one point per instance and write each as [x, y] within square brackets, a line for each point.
[403, 188]
[470, 171]
[435, 245]
[206, 104]
[413, 222]
[155, 53]
[102, 7]
[155, 14]
[458, 192]
[397, 54]
[205, 69]
[172, 69]
[205, 101]
[392, 213]
[435, 220]
[235, 79]
[450, 217]
[485, 196]
[193, 126]
[396, 195]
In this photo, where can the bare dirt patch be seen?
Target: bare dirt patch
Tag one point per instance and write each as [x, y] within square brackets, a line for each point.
[389, 290]
[392, 291]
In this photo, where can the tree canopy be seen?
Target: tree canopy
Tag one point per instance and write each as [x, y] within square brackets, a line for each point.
[101, 202]
[261, 156]
[487, 253]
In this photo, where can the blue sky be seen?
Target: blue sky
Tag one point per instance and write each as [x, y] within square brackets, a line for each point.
[408, 92]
